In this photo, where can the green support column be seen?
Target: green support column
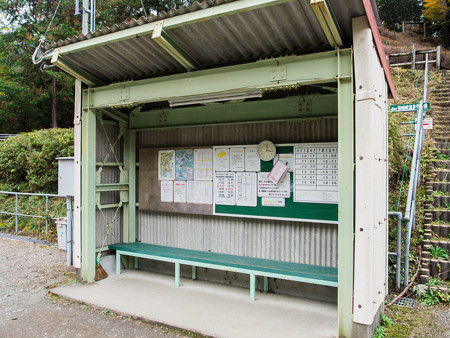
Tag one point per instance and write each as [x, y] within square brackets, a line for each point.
[88, 203]
[346, 193]
[129, 215]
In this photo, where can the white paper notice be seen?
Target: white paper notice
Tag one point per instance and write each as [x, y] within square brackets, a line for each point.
[252, 160]
[237, 162]
[166, 164]
[287, 159]
[316, 173]
[222, 159]
[203, 164]
[246, 189]
[266, 188]
[224, 188]
[200, 192]
[272, 202]
[167, 191]
[179, 191]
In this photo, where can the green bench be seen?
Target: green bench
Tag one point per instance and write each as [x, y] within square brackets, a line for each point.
[247, 265]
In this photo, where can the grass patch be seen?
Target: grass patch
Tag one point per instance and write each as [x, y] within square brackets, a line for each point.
[408, 322]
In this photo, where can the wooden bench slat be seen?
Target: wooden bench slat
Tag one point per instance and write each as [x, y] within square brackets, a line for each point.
[233, 261]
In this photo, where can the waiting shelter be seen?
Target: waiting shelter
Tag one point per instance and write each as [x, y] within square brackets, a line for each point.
[238, 142]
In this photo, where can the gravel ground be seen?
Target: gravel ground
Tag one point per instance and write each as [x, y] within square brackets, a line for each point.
[27, 270]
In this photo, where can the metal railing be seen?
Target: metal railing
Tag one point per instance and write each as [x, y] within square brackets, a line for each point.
[410, 209]
[5, 136]
[17, 214]
[413, 63]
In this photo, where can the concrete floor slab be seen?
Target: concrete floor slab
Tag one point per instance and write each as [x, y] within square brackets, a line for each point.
[208, 308]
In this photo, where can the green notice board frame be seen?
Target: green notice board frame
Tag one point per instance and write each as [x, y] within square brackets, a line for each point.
[292, 211]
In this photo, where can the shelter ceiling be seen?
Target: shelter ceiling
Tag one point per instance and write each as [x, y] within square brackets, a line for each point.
[239, 36]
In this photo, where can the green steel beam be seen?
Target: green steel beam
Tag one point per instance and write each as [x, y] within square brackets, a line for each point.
[285, 72]
[88, 201]
[173, 49]
[74, 70]
[346, 196]
[111, 187]
[169, 23]
[116, 115]
[291, 108]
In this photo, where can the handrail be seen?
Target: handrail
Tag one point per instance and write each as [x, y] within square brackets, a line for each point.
[415, 174]
[17, 214]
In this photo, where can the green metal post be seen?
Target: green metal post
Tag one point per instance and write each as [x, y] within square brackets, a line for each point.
[177, 274]
[266, 284]
[252, 286]
[129, 208]
[346, 193]
[194, 272]
[88, 195]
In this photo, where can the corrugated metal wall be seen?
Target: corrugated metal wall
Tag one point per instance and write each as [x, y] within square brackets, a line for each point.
[109, 221]
[308, 243]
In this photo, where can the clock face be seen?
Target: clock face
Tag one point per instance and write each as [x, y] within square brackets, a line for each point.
[266, 150]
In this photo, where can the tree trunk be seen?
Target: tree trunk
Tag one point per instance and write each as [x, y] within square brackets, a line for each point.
[54, 104]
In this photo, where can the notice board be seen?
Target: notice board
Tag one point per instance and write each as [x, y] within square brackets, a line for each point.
[233, 181]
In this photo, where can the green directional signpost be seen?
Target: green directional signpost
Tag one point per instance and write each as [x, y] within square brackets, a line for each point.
[399, 108]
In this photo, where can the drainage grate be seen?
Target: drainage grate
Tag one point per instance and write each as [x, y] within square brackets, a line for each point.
[405, 302]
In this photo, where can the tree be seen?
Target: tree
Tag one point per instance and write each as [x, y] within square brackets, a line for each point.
[27, 91]
[394, 12]
[437, 14]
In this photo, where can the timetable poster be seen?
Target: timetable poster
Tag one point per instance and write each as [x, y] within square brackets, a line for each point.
[203, 164]
[316, 173]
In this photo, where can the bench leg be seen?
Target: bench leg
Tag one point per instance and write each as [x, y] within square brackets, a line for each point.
[194, 273]
[136, 265]
[252, 287]
[177, 274]
[117, 263]
[266, 284]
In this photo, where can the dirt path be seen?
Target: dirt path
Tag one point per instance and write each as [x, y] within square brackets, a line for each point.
[26, 309]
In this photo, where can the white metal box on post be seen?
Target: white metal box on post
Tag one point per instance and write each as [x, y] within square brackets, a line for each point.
[65, 176]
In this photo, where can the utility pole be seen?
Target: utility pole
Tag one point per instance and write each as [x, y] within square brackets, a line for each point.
[88, 15]
[88, 24]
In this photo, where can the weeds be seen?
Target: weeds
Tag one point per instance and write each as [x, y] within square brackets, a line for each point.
[438, 253]
[430, 298]
[380, 331]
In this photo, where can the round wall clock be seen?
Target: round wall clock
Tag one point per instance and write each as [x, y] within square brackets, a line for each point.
[266, 150]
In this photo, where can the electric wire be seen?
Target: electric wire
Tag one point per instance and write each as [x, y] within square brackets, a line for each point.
[143, 7]
[42, 39]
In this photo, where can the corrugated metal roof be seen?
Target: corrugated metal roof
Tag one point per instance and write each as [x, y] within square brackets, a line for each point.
[288, 27]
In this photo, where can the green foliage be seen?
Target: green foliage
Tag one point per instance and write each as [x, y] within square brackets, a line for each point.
[430, 298]
[434, 281]
[380, 331]
[438, 253]
[26, 89]
[27, 161]
[394, 12]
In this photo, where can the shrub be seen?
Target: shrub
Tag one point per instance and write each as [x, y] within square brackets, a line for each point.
[27, 161]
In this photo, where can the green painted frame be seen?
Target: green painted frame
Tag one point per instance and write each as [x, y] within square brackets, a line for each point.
[320, 68]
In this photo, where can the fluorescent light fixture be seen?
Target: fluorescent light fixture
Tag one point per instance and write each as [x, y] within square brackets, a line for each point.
[172, 48]
[214, 97]
[327, 22]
